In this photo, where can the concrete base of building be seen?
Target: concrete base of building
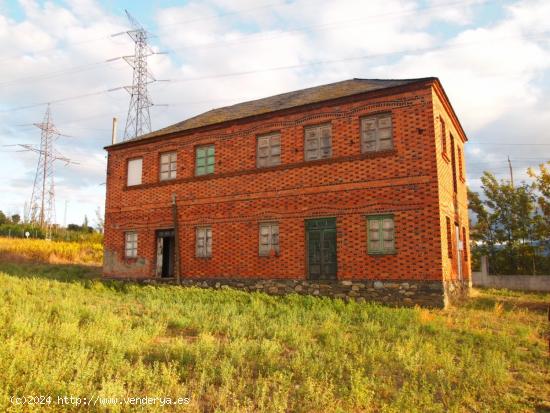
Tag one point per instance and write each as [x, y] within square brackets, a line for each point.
[390, 292]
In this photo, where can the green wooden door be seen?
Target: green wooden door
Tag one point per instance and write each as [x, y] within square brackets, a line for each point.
[321, 248]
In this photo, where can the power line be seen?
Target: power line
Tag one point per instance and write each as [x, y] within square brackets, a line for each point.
[34, 105]
[242, 11]
[50, 75]
[109, 36]
[279, 68]
[347, 59]
[512, 144]
[320, 27]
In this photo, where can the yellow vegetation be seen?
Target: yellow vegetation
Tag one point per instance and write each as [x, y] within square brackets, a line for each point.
[39, 250]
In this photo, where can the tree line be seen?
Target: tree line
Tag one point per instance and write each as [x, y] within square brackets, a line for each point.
[13, 226]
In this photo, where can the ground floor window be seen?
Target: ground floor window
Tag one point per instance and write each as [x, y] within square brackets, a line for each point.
[449, 238]
[269, 238]
[131, 240]
[381, 234]
[203, 245]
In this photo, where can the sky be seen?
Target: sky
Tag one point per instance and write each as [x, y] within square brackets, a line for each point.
[492, 57]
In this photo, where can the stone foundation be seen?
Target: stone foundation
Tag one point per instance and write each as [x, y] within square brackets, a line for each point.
[456, 292]
[393, 293]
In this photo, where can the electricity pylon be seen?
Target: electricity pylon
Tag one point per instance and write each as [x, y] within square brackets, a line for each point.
[138, 121]
[41, 209]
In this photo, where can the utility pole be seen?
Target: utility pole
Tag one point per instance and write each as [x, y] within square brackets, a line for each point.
[511, 173]
[176, 240]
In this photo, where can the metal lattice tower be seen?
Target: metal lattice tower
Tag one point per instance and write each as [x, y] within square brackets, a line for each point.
[138, 121]
[42, 205]
[41, 210]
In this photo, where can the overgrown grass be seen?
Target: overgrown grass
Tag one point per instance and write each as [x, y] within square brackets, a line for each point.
[65, 333]
[40, 250]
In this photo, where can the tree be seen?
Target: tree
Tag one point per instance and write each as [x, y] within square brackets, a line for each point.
[541, 186]
[74, 227]
[507, 228]
[15, 218]
[3, 218]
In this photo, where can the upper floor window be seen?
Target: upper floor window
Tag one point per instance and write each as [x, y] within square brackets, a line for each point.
[269, 238]
[269, 150]
[203, 242]
[460, 167]
[381, 234]
[168, 162]
[443, 132]
[318, 142]
[376, 133]
[130, 244]
[134, 171]
[204, 162]
[453, 162]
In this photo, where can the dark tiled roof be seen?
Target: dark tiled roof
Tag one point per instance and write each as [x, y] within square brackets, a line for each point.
[282, 101]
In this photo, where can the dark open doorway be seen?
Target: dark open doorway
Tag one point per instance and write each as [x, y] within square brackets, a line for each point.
[166, 252]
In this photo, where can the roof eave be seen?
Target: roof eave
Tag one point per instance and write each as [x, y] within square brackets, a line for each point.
[440, 91]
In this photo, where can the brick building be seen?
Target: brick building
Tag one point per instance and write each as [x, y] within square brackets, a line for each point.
[354, 189]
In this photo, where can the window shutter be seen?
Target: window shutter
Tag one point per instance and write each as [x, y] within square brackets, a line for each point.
[204, 160]
[134, 171]
[130, 247]
[203, 243]
[443, 132]
[269, 238]
[168, 166]
[376, 133]
[381, 234]
[318, 142]
[374, 235]
[208, 236]
[387, 226]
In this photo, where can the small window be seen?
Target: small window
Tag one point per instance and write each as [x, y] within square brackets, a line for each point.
[203, 245]
[381, 234]
[269, 150]
[460, 169]
[131, 239]
[318, 142]
[204, 163]
[453, 162]
[465, 244]
[376, 133]
[134, 171]
[449, 238]
[443, 132]
[269, 238]
[168, 163]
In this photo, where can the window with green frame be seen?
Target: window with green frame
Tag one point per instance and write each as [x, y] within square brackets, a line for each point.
[204, 162]
[381, 234]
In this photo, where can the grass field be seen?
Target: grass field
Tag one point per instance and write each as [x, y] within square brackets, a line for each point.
[64, 333]
[55, 252]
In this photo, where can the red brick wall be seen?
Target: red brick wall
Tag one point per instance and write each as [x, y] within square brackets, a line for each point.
[239, 196]
[451, 204]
